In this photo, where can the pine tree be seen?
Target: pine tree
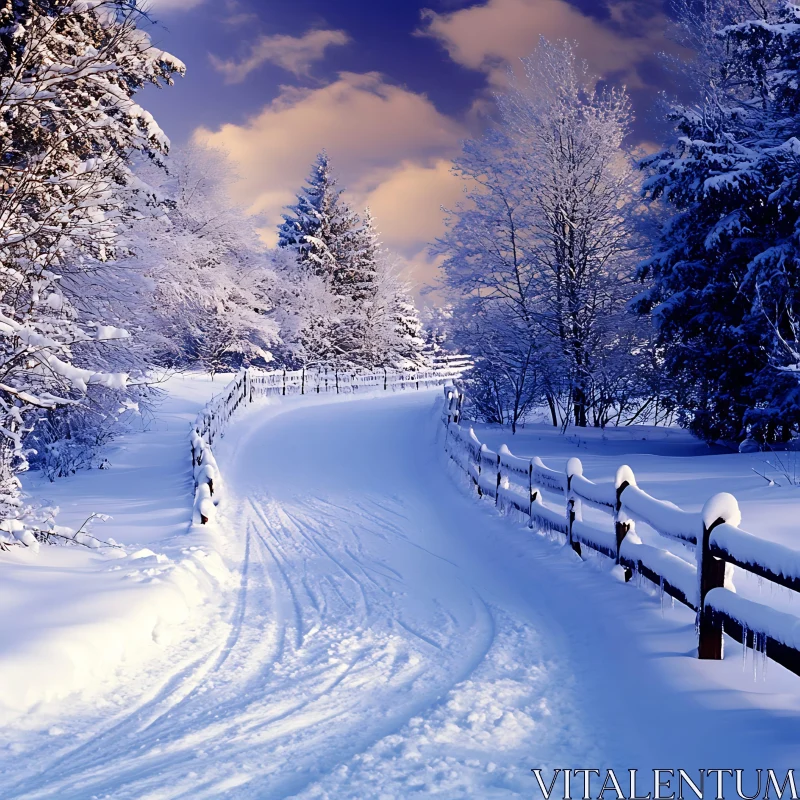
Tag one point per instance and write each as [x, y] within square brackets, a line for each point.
[313, 224]
[360, 250]
[343, 302]
[726, 277]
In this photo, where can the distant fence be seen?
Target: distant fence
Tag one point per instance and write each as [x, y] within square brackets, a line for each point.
[524, 483]
[251, 384]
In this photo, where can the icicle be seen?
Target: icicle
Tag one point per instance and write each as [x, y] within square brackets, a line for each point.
[756, 647]
[744, 646]
[661, 593]
[764, 659]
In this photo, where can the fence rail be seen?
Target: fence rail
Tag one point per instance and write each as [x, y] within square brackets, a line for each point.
[252, 384]
[704, 585]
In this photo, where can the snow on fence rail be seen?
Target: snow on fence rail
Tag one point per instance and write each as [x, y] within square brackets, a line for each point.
[719, 543]
[251, 384]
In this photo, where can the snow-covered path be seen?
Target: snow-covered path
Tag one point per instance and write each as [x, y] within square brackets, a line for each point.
[391, 637]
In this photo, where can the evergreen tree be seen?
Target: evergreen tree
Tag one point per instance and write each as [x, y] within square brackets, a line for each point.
[313, 225]
[725, 278]
[342, 300]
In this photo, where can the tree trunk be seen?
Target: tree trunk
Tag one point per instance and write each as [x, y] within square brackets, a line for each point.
[551, 403]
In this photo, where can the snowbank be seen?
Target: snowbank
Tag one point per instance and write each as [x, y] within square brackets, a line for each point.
[74, 616]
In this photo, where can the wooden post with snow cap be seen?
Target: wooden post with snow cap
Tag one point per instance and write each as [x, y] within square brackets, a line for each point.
[622, 526]
[574, 467]
[721, 508]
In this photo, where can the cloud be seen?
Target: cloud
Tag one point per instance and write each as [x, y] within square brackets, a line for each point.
[390, 146]
[295, 54]
[166, 6]
[489, 36]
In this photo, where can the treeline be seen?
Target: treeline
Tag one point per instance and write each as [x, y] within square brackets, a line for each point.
[608, 288]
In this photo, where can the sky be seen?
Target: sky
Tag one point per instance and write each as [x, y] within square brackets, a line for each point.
[389, 87]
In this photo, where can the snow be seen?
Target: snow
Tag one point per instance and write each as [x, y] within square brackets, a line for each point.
[662, 515]
[674, 570]
[722, 506]
[389, 635]
[509, 461]
[89, 612]
[749, 549]
[603, 495]
[603, 540]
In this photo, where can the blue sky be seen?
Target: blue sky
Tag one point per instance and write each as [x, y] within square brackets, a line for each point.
[390, 88]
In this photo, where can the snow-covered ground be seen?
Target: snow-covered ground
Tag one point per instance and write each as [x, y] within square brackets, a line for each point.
[391, 636]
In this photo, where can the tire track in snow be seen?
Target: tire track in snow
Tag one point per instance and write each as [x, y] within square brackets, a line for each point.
[176, 689]
[334, 643]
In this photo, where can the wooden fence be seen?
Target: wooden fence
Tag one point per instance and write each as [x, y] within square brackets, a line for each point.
[719, 544]
[251, 384]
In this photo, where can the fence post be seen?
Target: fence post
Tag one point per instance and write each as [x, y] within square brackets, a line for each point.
[531, 494]
[711, 574]
[303, 381]
[385, 380]
[622, 527]
[477, 457]
[497, 488]
[574, 467]
[284, 382]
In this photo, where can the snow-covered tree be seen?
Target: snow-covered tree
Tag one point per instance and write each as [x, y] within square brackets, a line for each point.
[211, 300]
[319, 227]
[490, 273]
[312, 324]
[569, 137]
[342, 301]
[68, 74]
[385, 319]
[726, 275]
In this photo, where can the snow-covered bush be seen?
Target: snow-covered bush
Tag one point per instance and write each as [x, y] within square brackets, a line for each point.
[64, 440]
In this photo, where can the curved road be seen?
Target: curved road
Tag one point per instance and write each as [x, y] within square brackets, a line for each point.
[394, 638]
